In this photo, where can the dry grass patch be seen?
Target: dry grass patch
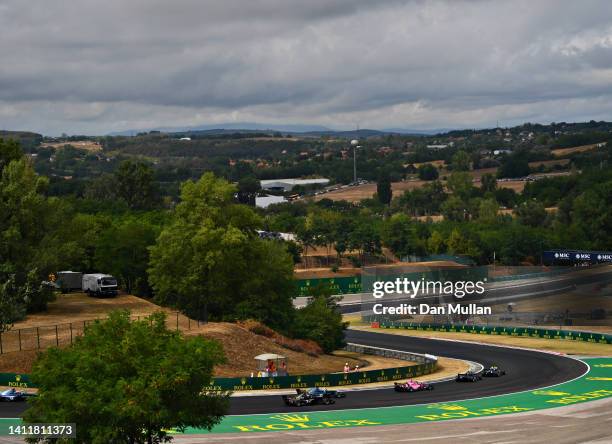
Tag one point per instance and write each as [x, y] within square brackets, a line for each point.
[87, 145]
[560, 152]
[77, 307]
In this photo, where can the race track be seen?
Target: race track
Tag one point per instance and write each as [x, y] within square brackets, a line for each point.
[525, 370]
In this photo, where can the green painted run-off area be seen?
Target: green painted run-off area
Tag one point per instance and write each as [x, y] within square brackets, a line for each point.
[596, 384]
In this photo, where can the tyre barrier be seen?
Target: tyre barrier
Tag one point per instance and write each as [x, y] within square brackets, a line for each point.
[544, 333]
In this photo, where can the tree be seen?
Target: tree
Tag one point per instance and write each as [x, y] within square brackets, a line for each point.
[9, 151]
[320, 320]
[123, 251]
[399, 234]
[488, 183]
[102, 188]
[531, 213]
[487, 211]
[455, 209]
[592, 215]
[203, 261]
[248, 187]
[134, 184]
[460, 184]
[514, 165]
[128, 382]
[462, 245]
[11, 303]
[428, 172]
[383, 189]
[461, 161]
[29, 246]
[436, 243]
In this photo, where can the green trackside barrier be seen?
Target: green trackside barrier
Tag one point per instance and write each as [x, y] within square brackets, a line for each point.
[282, 382]
[328, 380]
[339, 285]
[17, 380]
[545, 333]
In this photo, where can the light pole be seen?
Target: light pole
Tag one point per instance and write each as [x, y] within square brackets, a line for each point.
[355, 144]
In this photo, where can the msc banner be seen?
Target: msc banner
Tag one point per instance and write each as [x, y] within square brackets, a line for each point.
[546, 333]
[339, 285]
[565, 257]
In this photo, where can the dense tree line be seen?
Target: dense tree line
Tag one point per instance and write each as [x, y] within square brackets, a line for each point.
[202, 257]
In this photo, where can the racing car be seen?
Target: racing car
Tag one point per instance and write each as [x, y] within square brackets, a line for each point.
[412, 386]
[12, 395]
[468, 376]
[493, 371]
[312, 396]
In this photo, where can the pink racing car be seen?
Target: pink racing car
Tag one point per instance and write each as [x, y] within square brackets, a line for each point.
[412, 386]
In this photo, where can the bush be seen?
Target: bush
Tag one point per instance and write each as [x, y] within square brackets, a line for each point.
[321, 323]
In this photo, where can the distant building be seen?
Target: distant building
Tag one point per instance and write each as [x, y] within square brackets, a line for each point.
[436, 147]
[501, 151]
[288, 184]
[265, 201]
[185, 138]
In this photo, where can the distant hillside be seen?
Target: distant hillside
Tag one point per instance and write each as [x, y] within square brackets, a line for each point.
[301, 130]
[28, 140]
[234, 127]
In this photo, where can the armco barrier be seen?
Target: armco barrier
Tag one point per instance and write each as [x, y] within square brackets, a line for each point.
[387, 353]
[427, 364]
[545, 333]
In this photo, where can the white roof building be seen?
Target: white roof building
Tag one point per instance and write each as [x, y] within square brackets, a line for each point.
[288, 184]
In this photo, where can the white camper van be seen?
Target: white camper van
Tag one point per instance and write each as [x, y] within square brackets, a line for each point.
[98, 284]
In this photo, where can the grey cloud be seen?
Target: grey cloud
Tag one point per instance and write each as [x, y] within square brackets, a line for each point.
[99, 66]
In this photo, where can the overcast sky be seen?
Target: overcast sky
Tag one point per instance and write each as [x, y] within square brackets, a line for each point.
[93, 67]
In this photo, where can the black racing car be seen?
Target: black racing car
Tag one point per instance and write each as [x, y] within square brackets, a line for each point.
[493, 371]
[312, 396]
[12, 395]
[468, 376]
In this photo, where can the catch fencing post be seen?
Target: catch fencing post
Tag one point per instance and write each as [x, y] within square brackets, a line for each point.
[188, 323]
[19, 335]
[1, 351]
[56, 336]
[38, 337]
[177, 313]
[71, 333]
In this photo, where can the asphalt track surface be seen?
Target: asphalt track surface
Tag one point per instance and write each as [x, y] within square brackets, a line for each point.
[525, 370]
